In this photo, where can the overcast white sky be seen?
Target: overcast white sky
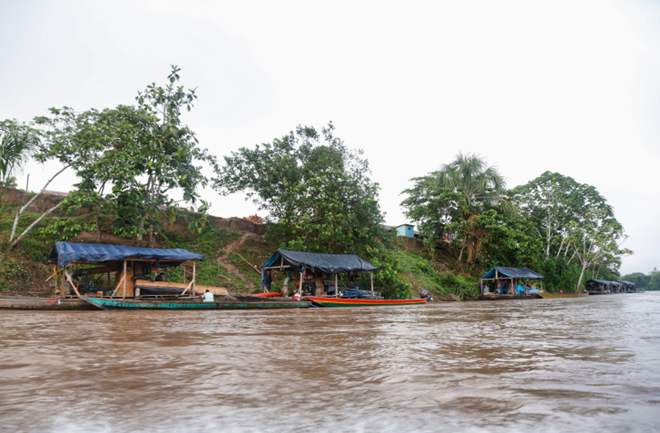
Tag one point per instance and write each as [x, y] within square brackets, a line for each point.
[568, 86]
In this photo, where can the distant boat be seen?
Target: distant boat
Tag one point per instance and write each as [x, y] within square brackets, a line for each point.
[563, 295]
[352, 302]
[194, 304]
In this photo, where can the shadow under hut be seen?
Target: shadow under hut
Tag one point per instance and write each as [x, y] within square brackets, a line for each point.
[318, 274]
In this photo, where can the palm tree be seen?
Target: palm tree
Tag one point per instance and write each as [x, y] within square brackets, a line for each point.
[471, 177]
[479, 185]
[17, 143]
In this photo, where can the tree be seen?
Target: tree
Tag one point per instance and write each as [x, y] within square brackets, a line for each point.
[640, 279]
[654, 282]
[61, 142]
[454, 196]
[510, 242]
[168, 158]
[133, 158]
[313, 186]
[553, 202]
[596, 239]
[17, 143]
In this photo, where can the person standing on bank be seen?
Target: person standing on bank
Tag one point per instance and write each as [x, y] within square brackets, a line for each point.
[207, 297]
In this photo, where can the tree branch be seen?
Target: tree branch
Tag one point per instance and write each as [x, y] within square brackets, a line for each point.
[20, 212]
[34, 224]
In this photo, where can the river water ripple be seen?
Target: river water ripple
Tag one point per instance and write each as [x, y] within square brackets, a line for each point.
[589, 364]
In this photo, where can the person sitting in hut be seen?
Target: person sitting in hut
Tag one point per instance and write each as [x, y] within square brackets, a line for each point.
[208, 296]
[160, 277]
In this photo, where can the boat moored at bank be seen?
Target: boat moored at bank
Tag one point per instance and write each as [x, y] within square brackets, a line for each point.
[317, 279]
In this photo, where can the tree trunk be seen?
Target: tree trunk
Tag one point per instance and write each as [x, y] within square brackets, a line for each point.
[460, 256]
[584, 266]
[34, 224]
[98, 229]
[548, 230]
[563, 239]
[21, 210]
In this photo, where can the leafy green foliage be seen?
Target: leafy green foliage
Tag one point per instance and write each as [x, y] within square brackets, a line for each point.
[65, 229]
[12, 271]
[654, 282]
[555, 203]
[319, 195]
[17, 143]
[509, 242]
[446, 201]
[140, 153]
[35, 249]
[640, 279]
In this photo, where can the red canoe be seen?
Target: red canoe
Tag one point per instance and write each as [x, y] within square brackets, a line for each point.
[268, 295]
[343, 302]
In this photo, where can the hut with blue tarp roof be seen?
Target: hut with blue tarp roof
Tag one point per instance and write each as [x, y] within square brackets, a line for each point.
[317, 267]
[135, 271]
[504, 280]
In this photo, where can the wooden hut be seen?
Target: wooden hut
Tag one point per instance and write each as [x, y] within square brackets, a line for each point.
[129, 271]
[627, 286]
[317, 274]
[504, 283]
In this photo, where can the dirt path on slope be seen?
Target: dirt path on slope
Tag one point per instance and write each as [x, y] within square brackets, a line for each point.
[233, 248]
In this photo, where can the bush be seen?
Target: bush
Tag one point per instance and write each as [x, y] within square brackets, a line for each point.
[12, 273]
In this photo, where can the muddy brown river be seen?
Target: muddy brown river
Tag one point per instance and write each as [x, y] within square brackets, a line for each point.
[588, 364]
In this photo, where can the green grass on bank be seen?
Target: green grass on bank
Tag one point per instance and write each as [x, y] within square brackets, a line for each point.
[418, 272]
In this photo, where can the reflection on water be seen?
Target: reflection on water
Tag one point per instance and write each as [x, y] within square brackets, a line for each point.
[589, 364]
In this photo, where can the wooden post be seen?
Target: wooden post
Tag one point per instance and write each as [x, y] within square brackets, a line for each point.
[336, 287]
[62, 285]
[124, 294]
[192, 290]
[301, 281]
[118, 284]
[371, 275]
[481, 286]
[73, 286]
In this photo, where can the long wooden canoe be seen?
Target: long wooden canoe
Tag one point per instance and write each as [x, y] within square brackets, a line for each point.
[563, 295]
[25, 303]
[343, 302]
[192, 304]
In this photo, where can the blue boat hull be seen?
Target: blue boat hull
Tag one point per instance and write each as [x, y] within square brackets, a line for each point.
[191, 304]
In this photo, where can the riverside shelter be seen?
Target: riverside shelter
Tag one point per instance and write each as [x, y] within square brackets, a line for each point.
[132, 268]
[317, 268]
[501, 274]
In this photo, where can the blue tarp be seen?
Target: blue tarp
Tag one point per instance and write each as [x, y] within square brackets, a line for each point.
[601, 282]
[512, 273]
[65, 253]
[521, 289]
[328, 263]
